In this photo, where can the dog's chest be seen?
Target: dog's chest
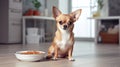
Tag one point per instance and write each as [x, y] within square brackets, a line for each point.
[65, 40]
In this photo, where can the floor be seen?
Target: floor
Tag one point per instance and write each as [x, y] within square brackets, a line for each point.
[86, 54]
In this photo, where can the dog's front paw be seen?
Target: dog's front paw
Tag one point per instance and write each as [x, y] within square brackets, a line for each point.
[71, 59]
[54, 58]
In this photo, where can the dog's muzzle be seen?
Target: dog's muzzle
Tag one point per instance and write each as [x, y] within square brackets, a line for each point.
[65, 27]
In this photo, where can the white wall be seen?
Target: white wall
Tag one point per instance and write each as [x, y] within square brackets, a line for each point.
[105, 8]
[63, 6]
[50, 4]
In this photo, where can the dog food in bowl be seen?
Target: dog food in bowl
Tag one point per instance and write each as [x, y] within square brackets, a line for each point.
[32, 52]
[30, 55]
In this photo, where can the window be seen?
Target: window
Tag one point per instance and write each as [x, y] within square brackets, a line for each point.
[84, 27]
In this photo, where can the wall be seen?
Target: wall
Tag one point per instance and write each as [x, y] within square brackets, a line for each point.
[50, 4]
[3, 21]
[114, 7]
[63, 6]
[111, 8]
[105, 8]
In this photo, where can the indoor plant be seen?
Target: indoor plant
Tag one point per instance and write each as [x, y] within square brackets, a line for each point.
[100, 4]
[37, 5]
[99, 12]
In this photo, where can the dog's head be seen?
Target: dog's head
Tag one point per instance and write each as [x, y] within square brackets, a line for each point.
[65, 21]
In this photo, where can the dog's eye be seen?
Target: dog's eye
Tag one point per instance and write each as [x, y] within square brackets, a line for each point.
[69, 23]
[60, 22]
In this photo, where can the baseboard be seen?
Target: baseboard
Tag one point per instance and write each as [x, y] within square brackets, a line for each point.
[84, 39]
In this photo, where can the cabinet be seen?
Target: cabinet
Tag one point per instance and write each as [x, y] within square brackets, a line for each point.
[105, 31]
[10, 22]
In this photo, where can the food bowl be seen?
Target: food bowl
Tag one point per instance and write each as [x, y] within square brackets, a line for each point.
[30, 55]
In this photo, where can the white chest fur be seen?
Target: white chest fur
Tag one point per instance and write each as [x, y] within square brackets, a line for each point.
[65, 42]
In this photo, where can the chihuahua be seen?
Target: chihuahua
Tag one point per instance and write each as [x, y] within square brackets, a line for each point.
[63, 42]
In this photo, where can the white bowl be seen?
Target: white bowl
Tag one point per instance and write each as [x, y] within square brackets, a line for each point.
[29, 57]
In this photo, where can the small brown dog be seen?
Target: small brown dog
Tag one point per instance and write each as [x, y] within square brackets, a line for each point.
[62, 45]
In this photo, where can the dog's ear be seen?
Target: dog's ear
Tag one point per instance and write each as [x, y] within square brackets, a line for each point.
[56, 12]
[75, 15]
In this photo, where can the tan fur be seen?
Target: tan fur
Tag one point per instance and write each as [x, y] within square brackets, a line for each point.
[63, 42]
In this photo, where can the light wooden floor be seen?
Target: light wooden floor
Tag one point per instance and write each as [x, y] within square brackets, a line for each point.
[86, 54]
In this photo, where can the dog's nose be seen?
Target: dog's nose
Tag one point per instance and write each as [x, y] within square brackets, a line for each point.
[65, 26]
